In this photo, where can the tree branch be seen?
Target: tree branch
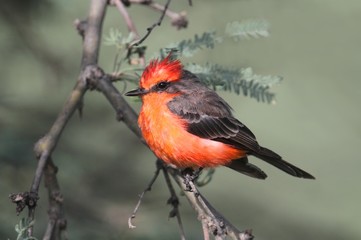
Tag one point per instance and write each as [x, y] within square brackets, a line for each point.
[128, 20]
[148, 188]
[150, 29]
[93, 32]
[123, 110]
[46, 145]
[179, 20]
[173, 200]
[208, 215]
[57, 221]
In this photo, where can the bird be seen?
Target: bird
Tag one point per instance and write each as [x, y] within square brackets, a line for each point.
[188, 125]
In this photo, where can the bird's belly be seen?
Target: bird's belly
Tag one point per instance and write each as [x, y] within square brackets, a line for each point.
[166, 135]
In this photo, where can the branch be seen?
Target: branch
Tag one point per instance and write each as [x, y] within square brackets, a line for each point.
[93, 33]
[179, 20]
[209, 216]
[123, 110]
[150, 29]
[148, 188]
[173, 200]
[46, 145]
[57, 221]
[128, 20]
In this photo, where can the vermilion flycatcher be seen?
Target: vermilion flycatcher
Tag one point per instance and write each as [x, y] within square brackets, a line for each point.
[188, 125]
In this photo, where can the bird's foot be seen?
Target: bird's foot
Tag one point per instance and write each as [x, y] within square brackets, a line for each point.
[189, 175]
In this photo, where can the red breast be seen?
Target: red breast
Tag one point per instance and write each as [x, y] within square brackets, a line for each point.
[167, 136]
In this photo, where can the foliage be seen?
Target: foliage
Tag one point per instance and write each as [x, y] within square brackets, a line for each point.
[189, 47]
[22, 227]
[250, 28]
[238, 80]
[116, 38]
[123, 52]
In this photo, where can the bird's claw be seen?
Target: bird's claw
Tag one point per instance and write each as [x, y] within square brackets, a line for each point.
[189, 175]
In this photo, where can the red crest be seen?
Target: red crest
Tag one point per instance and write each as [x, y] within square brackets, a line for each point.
[161, 70]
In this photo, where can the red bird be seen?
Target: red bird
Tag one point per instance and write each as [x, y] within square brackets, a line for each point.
[188, 125]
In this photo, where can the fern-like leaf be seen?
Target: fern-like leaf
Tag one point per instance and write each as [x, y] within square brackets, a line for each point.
[237, 80]
[246, 29]
[116, 38]
[22, 227]
[189, 47]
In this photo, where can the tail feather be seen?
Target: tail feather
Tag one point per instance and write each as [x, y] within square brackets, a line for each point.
[243, 166]
[277, 161]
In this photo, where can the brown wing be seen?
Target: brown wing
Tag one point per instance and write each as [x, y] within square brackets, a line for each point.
[210, 117]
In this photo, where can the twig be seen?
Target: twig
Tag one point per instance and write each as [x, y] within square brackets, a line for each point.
[123, 110]
[215, 222]
[150, 29]
[178, 20]
[131, 28]
[57, 222]
[80, 26]
[130, 24]
[149, 187]
[173, 200]
[205, 231]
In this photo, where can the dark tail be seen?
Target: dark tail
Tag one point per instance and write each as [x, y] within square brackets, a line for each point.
[277, 161]
[243, 166]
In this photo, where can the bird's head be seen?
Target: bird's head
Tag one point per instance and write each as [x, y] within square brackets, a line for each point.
[158, 75]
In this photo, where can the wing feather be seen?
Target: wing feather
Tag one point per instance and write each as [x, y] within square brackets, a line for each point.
[209, 116]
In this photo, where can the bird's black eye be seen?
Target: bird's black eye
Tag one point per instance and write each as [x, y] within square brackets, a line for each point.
[162, 85]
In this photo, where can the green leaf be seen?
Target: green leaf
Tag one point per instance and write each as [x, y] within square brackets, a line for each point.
[22, 227]
[189, 47]
[116, 38]
[238, 80]
[247, 29]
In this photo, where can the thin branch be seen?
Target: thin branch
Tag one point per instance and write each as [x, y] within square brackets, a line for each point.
[178, 20]
[80, 26]
[57, 222]
[131, 27]
[149, 187]
[123, 110]
[210, 217]
[150, 29]
[173, 200]
[130, 24]
[164, 9]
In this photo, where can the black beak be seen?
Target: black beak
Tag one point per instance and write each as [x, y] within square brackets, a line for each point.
[136, 92]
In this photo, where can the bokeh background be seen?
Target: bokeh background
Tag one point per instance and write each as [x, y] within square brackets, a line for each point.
[314, 45]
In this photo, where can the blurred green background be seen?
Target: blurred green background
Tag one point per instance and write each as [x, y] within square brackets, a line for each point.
[314, 45]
